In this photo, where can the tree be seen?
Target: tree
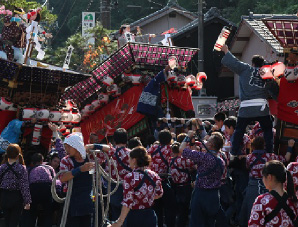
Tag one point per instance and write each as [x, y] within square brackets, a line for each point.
[85, 57]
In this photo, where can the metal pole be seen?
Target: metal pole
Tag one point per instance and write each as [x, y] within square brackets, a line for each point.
[200, 36]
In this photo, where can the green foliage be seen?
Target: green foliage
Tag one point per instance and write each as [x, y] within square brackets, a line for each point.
[84, 57]
[27, 5]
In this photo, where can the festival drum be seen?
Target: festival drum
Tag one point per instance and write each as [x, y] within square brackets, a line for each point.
[43, 114]
[28, 114]
[55, 116]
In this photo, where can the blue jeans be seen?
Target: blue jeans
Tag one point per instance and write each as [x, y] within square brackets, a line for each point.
[204, 207]
[183, 197]
[266, 125]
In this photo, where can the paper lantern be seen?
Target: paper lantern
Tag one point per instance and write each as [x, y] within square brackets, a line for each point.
[278, 69]
[5, 104]
[107, 80]
[222, 38]
[291, 73]
[172, 77]
[96, 104]
[55, 116]
[76, 117]
[265, 72]
[43, 114]
[112, 89]
[28, 113]
[181, 80]
[66, 116]
[201, 77]
[36, 134]
[103, 98]
[190, 80]
[136, 79]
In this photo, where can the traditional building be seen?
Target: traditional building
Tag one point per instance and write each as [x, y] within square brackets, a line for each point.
[269, 35]
[171, 16]
[187, 36]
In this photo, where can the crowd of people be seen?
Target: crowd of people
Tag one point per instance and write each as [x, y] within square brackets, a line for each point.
[189, 178]
[197, 174]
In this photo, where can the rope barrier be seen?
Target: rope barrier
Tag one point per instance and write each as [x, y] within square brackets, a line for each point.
[97, 178]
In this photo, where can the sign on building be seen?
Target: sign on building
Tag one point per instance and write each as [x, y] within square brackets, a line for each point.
[88, 21]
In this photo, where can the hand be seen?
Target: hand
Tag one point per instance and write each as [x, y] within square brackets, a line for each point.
[291, 143]
[53, 127]
[27, 207]
[87, 166]
[89, 147]
[48, 35]
[225, 49]
[190, 133]
[214, 128]
[167, 68]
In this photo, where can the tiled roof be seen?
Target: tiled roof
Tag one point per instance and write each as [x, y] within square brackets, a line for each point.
[256, 23]
[169, 7]
[208, 16]
[141, 55]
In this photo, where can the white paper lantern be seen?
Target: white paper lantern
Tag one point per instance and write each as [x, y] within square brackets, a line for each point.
[55, 116]
[28, 113]
[43, 114]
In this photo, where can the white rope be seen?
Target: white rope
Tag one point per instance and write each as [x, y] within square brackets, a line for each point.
[96, 184]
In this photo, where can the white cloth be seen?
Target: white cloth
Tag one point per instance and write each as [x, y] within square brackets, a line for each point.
[76, 141]
[255, 102]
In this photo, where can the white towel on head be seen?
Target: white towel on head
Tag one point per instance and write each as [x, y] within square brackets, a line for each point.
[76, 141]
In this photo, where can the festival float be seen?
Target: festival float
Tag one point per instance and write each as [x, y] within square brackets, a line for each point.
[33, 93]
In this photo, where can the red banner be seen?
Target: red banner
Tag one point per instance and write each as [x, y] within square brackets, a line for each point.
[120, 113]
[178, 97]
[5, 117]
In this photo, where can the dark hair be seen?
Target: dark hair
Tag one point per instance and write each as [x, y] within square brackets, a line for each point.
[141, 155]
[181, 137]
[175, 147]
[122, 28]
[134, 142]
[216, 141]
[53, 155]
[165, 137]
[36, 158]
[120, 136]
[230, 122]
[257, 60]
[258, 143]
[150, 140]
[13, 151]
[277, 169]
[220, 116]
